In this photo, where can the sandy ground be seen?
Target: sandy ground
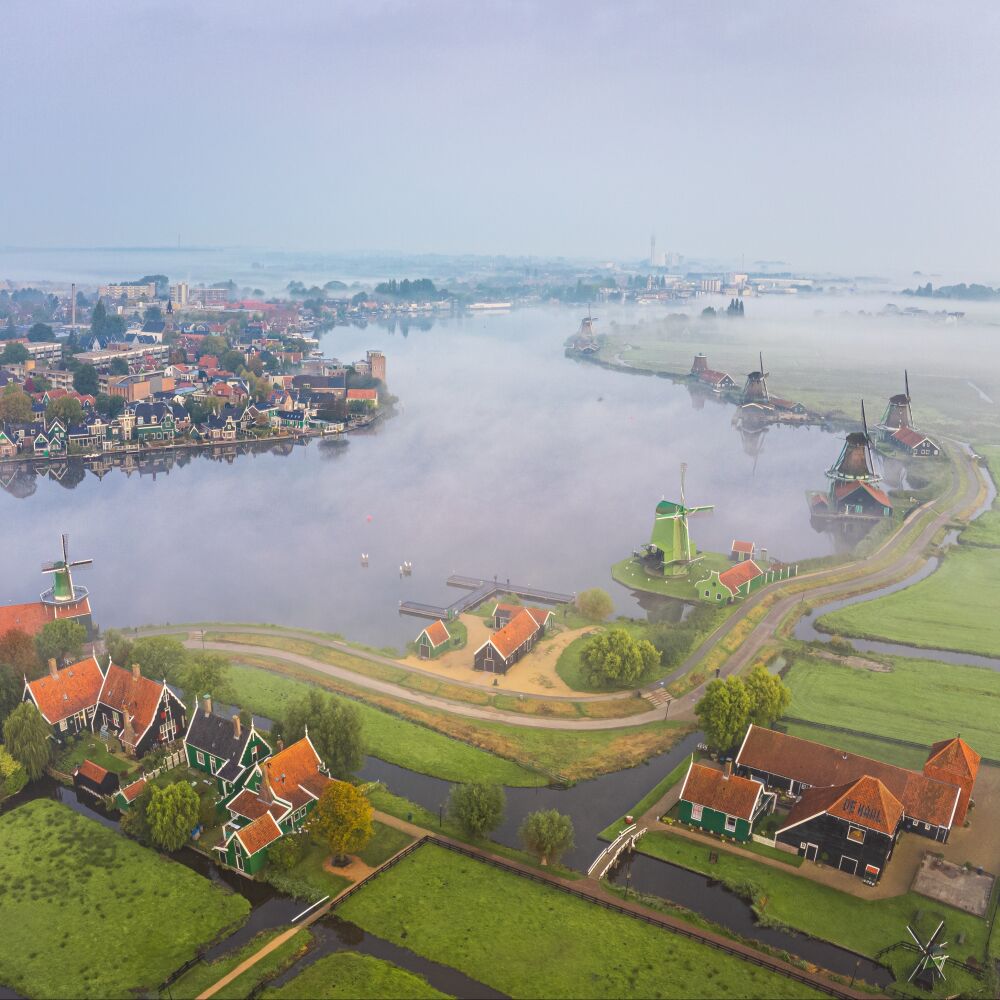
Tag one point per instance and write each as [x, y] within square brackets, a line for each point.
[534, 674]
[355, 869]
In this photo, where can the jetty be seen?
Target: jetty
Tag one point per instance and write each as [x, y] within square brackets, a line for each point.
[479, 590]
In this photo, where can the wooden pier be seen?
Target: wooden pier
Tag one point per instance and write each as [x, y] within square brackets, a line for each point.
[480, 590]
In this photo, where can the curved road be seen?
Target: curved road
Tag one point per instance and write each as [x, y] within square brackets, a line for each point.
[904, 549]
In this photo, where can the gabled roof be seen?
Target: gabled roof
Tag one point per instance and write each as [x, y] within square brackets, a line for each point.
[741, 573]
[734, 796]
[540, 615]
[258, 834]
[910, 437]
[742, 547]
[842, 490]
[925, 799]
[250, 805]
[139, 696]
[133, 791]
[216, 735]
[73, 689]
[437, 633]
[954, 756]
[362, 394]
[294, 773]
[713, 376]
[513, 635]
[94, 772]
[865, 802]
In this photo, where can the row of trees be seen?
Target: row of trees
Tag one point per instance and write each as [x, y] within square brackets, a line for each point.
[729, 706]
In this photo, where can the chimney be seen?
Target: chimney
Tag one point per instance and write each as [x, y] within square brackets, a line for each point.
[208, 704]
[265, 786]
[53, 667]
[135, 672]
[236, 726]
[281, 744]
[727, 770]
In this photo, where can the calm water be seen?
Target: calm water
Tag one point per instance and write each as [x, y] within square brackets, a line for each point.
[504, 458]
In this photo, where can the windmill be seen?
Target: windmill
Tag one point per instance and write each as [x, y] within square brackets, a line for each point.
[930, 964]
[63, 590]
[671, 539]
[755, 387]
[898, 413]
[855, 463]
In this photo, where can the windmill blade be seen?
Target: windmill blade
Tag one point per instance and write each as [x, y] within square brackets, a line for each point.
[917, 968]
[684, 469]
[760, 358]
[81, 562]
[50, 567]
[65, 548]
[906, 382]
[915, 938]
[933, 937]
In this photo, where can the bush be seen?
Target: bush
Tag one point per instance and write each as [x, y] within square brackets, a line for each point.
[286, 853]
[615, 658]
[477, 807]
[595, 604]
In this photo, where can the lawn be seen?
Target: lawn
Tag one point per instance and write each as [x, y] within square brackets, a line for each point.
[88, 913]
[551, 944]
[347, 975]
[861, 925]
[91, 747]
[630, 573]
[193, 983]
[386, 842]
[953, 608]
[932, 700]
[386, 736]
[649, 799]
[307, 879]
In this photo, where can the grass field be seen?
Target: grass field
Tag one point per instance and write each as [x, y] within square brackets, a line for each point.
[551, 944]
[931, 701]
[863, 926]
[953, 608]
[193, 983]
[387, 737]
[985, 530]
[307, 879]
[84, 909]
[349, 976]
[90, 747]
[386, 842]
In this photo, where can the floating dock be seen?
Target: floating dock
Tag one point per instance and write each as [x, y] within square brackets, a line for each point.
[480, 590]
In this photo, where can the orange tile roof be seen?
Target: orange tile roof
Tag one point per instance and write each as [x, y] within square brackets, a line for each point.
[92, 771]
[846, 489]
[437, 632]
[541, 615]
[293, 770]
[29, 618]
[909, 437]
[257, 835]
[362, 394]
[865, 802]
[248, 804]
[956, 757]
[514, 634]
[923, 798]
[127, 693]
[741, 573]
[739, 546]
[133, 791]
[734, 796]
[73, 689]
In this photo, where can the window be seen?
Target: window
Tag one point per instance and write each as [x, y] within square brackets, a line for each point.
[117, 718]
[856, 834]
[730, 824]
[63, 725]
[696, 812]
[199, 756]
[253, 752]
[718, 597]
[707, 593]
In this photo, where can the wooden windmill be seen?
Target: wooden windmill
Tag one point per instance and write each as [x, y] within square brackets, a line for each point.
[930, 965]
[898, 413]
[855, 463]
[671, 537]
[63, 590]
[755, 387]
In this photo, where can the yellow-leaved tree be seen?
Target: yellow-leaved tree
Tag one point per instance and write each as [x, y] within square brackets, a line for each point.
[342, 820]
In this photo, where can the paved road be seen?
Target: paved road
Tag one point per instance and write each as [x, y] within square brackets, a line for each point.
[905, 552]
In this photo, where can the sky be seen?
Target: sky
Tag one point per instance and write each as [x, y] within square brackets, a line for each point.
[850, 136]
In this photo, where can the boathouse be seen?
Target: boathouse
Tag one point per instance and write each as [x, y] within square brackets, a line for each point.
[95, 780]
[433, 641]
[504, 648]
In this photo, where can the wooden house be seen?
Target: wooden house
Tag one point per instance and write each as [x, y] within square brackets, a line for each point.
[67, 698]
[742, 551]
[504, 648]
[433, 641]
[223, 747]
[955, 762]
[913, 442]
[503, 613]
[126, 795]
[95, 780]
[140, 712]
[737, 581]
[722, 802]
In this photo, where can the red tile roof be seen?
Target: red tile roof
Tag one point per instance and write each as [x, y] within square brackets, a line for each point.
[259, 834]
[865, 802]
[437, 632]
[29, 618]
[93, 771]
[843, 490]
[741, 547]
[741, 573]
[133, 791]
[909, 437]
[541, 615]
[139, 696]
[923, 798]
[362, 394]
[73, 689]
[514, 634]
[956, 757]
[294, 772]
[712, 376]
[248, 804]
[734, 796]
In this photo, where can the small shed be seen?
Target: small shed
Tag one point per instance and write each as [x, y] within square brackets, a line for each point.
[741, 551]
[95, 780]
[433, 640]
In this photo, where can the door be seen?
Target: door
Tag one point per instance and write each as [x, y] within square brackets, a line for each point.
[849, 865]
[239, 859]
[812, 852]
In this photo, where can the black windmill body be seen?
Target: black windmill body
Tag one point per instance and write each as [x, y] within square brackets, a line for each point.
[929, 969]
[755, 388]
[898, 413]
[855, 464]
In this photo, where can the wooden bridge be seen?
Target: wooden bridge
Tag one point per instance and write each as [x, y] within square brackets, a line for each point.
[480, 590]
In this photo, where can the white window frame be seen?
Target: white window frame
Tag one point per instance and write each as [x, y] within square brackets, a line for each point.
[730, 820]
[697, 811]
[856, 830]
[199, 756]
[63, 725]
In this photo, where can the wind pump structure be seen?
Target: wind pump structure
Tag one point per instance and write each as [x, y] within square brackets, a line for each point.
[63, 590]
[930, 965]
[856, 464]
[755, 387]
[898, 413]
[670, 545]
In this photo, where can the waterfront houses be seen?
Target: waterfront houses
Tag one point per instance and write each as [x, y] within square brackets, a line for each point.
[722, 802]
[223, 748]
[140, 712]
[67, 697]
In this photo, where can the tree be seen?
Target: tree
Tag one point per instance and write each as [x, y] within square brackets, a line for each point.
[342, 819]
[40, 332]
[98, 318]
[172, 815]
[616, 658]
[135, 819]
[17, 651]
[119, 648]
[547, 834]
[27, 734]
[285, 854]
[14, 354]
[206, 673]
[11, 692]
[85, 380]
[595, 604]
[213, 344]
[232, 361]
[160, 656]
[15, 405]
[67, 410]
[769, 696]
[334, 729]
[119, 366]
[60, 638]
[477, 807]
[724, 712]
[13, 777]
[109, 406]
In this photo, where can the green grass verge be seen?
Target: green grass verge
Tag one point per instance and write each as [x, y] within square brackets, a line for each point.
[985, 530]
[386, 842]
[88, 913]
[307, 879]
[953, 608]
[931, 701]
[206, 974]
[649, 799]
[541, 942]
[387, 737]
[630, 573]
[349, 976]
[786, 898]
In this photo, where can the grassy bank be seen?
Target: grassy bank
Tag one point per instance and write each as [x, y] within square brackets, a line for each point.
[84, 909]
[649, 799]
[350, 976]
[631, 573]
[930, 700]
[557, 946]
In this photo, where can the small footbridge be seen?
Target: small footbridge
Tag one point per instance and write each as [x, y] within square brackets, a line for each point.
[605, 861]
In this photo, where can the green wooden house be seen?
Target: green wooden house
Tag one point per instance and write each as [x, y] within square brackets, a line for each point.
[223, 748]
[721, 802]
[126, 795]
[433, 641]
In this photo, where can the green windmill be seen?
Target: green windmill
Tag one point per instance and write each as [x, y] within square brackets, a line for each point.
[671, 544]
[63, 590]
